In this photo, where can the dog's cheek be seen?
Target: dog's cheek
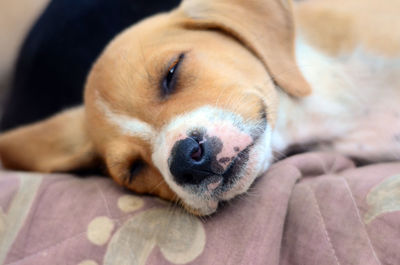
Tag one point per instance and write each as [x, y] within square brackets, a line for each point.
[146, 181]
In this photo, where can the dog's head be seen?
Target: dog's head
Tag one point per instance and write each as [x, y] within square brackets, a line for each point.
[181, 105]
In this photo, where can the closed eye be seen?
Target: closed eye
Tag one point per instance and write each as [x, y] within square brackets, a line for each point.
[170, 79]
[135, 169]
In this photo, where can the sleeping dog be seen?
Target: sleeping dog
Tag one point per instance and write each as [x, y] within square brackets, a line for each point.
[193, 105]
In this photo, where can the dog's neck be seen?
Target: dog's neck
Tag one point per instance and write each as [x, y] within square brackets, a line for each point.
[346, 98]
[312, 119]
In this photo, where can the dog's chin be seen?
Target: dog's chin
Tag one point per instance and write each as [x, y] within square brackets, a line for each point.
[208, 204]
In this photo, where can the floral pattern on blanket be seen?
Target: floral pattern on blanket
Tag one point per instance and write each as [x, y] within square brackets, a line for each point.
[383, 198]
[309, 209]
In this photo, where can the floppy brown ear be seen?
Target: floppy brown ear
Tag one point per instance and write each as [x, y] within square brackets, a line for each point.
[59, 143]
[265, 27]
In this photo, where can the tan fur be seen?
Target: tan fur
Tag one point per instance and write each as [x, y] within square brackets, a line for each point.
[57, 144]
[340, 26]
[275, 49]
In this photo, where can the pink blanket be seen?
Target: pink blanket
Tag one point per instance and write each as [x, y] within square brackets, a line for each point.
[307, 209]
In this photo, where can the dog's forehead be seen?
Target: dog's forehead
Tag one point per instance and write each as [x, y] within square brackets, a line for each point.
[128, 71]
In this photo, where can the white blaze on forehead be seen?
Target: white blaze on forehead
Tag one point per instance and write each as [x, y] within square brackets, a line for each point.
[127, 125]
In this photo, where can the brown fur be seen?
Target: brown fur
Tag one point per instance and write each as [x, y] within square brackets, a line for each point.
[57, 144]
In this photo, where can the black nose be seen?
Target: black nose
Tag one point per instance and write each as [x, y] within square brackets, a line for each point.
[190, 161]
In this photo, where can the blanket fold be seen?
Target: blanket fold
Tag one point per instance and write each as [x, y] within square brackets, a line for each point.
[313, 208]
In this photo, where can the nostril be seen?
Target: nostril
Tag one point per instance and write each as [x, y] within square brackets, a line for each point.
[190, 161]
[197, 153]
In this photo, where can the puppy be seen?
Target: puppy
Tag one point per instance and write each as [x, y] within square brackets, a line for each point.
[193, 105]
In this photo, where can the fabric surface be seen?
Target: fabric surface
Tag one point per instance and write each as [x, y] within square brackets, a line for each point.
[308, 209]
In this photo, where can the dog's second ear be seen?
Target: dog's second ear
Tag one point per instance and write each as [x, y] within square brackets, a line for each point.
[59, 143]
[265, 27]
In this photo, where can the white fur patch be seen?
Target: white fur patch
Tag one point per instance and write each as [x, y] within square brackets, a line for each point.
[328, 112]
[353, 106]
[127, 125]
[208, 117]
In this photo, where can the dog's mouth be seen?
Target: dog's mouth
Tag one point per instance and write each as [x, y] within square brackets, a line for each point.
[220, 188]
[236, 166]
[232, 174]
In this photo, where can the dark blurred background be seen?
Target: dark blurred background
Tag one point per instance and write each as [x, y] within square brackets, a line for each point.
[48, 48]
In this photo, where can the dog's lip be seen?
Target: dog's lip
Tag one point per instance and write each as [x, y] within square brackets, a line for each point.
[211, 207]
[228, 181]
[222, 183]
[213, 185]
[239, 158]
[237, 162]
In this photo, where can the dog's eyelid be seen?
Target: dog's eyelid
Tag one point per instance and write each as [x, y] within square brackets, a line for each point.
[169, 80]
[175, 62]
[136, 167]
